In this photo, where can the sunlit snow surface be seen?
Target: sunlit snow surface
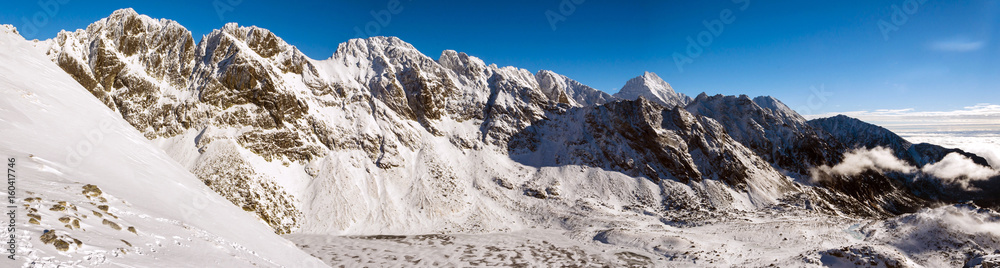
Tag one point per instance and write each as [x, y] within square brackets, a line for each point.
[783, 235]
[44, 111]
[982, 143]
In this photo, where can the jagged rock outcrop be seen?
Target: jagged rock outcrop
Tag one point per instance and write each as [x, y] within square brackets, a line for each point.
[855, 133]
[771, 130]
[565, 90]
[129, 62]
[381, 138]
[643, 138]
[652, 87]
[894, 192]
[246, 87]
[797, 147]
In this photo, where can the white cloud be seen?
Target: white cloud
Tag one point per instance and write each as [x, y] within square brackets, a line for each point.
[860, 160]
[956, 169]
[982, 109]
[957, 45]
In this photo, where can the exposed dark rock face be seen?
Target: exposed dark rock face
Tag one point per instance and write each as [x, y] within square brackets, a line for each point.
[242, 98]
[855, 133]
[908, 191]
[792, 144]
[651, 87]
[562, 89]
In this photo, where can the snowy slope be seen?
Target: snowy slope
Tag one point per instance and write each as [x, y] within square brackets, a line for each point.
[145, 209]
[652, 87]
[782, 236]
[770, 129]
[378, 138]
[643, 139]
[571, 91]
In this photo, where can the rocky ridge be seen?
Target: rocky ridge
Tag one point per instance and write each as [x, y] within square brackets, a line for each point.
[381, 138]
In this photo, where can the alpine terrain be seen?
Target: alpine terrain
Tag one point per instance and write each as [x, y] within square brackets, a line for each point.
[382, 156]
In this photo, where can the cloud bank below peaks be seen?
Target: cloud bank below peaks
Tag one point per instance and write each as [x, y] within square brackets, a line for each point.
[953, 170]
[956, 169]
[860, 160]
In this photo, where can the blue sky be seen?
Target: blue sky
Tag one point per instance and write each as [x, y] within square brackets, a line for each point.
[816, 56]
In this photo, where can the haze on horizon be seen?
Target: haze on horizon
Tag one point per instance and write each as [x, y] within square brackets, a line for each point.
[897, 63]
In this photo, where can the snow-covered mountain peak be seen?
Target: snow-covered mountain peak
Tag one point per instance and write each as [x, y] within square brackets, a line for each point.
[774, 132]
[565, 90]
[701, 96]
[778, 108]
[367, 58]
[651, 76]
[254, 40]
[125, 15]
[128, 11]
[380, 139]
[770, 103]
[248, 33]
[125, 49]
[652, 87]
[373, 45]
[650, 81]
[554, 86]
[124, 22]
[462, 64]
